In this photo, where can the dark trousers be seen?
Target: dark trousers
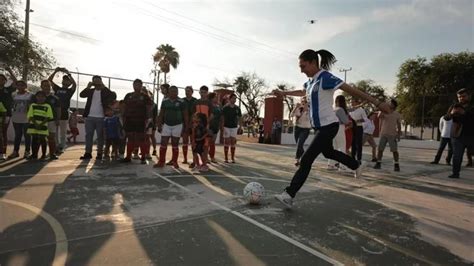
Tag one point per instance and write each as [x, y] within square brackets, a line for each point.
[38, 140]
[459, 145]
[442, 145]
[20, 131]
[301, 134]
[358, 136]
[322, 143]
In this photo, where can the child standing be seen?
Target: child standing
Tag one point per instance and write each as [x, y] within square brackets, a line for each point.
[112, 134]
[199, 137]
[39, 114]
[73, 119]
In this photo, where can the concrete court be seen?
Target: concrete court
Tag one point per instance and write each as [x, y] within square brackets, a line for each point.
[107, 213]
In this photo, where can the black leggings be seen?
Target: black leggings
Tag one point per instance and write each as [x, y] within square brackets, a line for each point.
[322, 143]
[358, 136]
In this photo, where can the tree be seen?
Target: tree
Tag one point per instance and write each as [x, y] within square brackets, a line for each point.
[12, 45]
[166, 56]
[288, 100]
[370, 87]
[425, 89]
[250, 91]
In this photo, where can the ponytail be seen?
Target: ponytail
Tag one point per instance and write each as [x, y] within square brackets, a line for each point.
[327, 58]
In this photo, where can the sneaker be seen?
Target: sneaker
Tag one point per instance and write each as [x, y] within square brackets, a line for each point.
[153, 153]
[226, 161]
[126, 160]
[13, 155]
[358, 171]
[144, 161]
[43, 157]
[2, 157]
[285, 199]
[213, 160]
[184, 162]
[195, 169]
[176, 165]
[122, 156]
[192, 165]
[378, 165]
[374, 160]
[396, 167]
[233, 161]
[86, 156]
[148, 157]
[53, 157]
[26, 155]
[99, 156]
[203, 168]
[159, 165]
[170, 162]
[31, 157]
[135, 157]
[434, 162]
[453, 176]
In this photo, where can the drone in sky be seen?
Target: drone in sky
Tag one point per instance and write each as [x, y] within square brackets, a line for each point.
[312, 21]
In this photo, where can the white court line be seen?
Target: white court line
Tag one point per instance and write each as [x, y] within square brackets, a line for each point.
[258, 224]
[60, 254]
[14, 175]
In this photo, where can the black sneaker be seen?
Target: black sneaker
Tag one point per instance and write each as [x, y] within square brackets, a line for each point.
[86, 156]
[378, 165]
[154, 153]
[53, 157]
[396, 167]
[453, 176]
[144, 161]
[32, 157]
[99, 156]
[434, 162]
[126, 160]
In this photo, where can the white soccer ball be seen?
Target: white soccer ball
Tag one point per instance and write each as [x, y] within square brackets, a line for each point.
[254, 192]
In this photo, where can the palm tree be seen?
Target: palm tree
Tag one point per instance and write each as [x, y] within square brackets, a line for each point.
[165, 57]
[241, 85]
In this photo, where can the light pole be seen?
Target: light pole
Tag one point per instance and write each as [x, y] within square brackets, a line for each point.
[345, 70]
[27, 33]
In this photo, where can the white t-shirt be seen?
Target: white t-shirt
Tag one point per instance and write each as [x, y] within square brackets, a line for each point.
[445, 127]
[358, 114]
[320, 93]
[20, 107]
[96, 105]
[368, 126]
[302, 118]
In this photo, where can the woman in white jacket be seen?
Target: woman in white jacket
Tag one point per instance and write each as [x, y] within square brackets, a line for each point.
[302, 127]
[445, 123]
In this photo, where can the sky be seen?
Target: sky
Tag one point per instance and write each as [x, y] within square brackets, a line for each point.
[220, 39]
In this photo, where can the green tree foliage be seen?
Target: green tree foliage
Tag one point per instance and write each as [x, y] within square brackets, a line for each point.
[436, 81]
[250, 91]
[370, 87]
[166, 56]
[12, 45]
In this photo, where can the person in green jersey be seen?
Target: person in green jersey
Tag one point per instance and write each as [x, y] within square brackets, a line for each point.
[173, 118]
[190, 102]
[39, 114]
[232, 121]
[215, 124]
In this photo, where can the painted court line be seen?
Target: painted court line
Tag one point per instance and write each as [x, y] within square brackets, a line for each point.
[258, 224]
[60, 254]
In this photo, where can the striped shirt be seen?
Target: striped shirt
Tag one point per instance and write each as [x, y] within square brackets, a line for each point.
[39, 114]
[320, 91]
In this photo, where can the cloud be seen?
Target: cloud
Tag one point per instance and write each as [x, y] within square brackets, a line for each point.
[426, 11]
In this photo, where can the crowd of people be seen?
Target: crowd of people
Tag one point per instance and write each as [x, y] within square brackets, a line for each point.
[126, 128]
[122, 128]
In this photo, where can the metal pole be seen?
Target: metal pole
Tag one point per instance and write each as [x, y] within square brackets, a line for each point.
[422, 117]
[109, 84]
[77, 90]
[27, 33]
[345, 70]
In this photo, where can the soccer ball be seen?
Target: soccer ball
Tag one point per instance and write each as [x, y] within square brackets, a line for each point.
[254, 192]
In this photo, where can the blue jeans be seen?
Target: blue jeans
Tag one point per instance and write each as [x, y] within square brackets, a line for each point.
[20, 131]
[442, 145]
[459, 145]
[301, 134]
[94, 124]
